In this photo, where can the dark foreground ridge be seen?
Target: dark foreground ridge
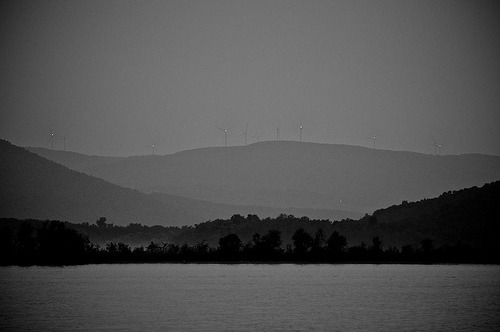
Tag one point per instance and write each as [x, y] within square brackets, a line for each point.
[456, 227]
[53, 243]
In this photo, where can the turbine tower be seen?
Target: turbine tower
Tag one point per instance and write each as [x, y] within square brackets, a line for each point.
[152, 146]
[225, 130]
[245, 134]
[278, 133]
[437, 146]
[51, 140]
[373, 139]
[300, 135]
[64, 141]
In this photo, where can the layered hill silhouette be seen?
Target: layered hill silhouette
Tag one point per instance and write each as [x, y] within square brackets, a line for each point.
[297, 174]
[37, 188]
[456, 227]
[73, 160]
[468, 216]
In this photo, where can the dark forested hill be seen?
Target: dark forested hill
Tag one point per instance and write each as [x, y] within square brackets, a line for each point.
[469, 216]
[296, 174]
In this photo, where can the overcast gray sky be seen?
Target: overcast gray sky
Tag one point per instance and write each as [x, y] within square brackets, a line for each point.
[117, 76]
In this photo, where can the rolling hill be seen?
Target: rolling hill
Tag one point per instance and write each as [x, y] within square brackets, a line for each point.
[468, 216]
[300, 175]
[73, 160]
[34, 187]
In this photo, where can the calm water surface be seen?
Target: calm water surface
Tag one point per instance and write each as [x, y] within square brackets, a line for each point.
[251, 297]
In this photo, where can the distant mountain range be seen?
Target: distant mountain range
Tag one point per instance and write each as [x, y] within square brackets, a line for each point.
[34, 187]
[75, 161]
[292, 174]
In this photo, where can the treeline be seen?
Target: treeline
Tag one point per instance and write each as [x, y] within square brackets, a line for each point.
[43, 243]
[53, 243]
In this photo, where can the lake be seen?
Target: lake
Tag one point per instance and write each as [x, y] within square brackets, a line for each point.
[250, 297]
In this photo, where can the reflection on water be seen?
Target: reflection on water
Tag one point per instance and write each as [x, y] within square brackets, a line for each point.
[250, 297]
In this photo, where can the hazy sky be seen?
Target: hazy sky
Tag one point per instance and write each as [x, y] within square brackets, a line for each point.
[118, 76]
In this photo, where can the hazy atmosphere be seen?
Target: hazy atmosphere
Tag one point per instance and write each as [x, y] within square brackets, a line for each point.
[113, 78]
[250, 165]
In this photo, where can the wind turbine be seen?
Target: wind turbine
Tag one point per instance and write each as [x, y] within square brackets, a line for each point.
[300, 128]
[373, 139]
[152, 146]
[437, 146]
[245, 134]
[278, 133]
[225, 130]
[63, 138]
[51, 140]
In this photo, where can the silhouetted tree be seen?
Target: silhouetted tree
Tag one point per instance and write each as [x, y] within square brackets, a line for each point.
[302, 242]
[376, 246]
[317, 245]
[237, 219]
[358, 252]
[201, 248]
[256, 239]
[336, 245]
[154, 248]
[407, 252]
[112, 248]
[7, 248]
[26, 241]
[124, 249]
[229, 246]
[272, 240]
[319, 239]
[427, 246]
[185, 252]
[59, 244]
[101, 222]
[253, 218]
[173, 249]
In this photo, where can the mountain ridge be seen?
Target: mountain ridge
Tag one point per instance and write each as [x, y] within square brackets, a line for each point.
[34, 187]
[301, 174]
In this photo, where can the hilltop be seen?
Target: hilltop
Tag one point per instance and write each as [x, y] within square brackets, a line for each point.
[34, 187]
[301, 175]
[73, 160]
